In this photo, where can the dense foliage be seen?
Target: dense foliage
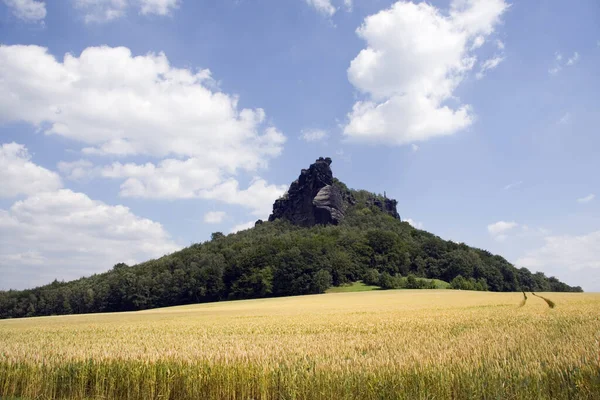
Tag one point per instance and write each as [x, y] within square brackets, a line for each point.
[279, 259]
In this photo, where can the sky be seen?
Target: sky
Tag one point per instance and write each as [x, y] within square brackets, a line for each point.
[130, 129]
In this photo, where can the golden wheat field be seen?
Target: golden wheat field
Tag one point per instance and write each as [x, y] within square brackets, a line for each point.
[401, 344]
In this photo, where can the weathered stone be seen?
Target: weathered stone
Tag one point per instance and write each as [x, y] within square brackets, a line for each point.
[329, 206]
[297, 204]
[314, 199]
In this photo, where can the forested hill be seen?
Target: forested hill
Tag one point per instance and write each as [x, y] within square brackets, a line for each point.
[365, 241]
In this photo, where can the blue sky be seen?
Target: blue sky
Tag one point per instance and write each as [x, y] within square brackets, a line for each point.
[132, 128]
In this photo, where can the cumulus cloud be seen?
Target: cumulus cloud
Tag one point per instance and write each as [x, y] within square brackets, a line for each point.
[66, 235]
[258, 197]
[158, 7]
[169, 179]
[120, 104]
[108, 10]
[322, 6]
[587, 198]
[27, 10]
[415, 58]
[413, 223]
[192, 178]
[242, 227]
[214, 217]
[117, 104]
[21, 176]
[75, 170]
[313, 135]
[572, 258]
[58, 233]
[499, 230]
[565, 252]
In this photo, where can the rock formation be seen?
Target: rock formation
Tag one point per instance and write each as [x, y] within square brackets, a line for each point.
[387, 205]
[314, 198]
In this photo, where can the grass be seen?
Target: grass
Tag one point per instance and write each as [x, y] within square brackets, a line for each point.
[439, 284]
[400, 344]
[352, 287]
[362, 287]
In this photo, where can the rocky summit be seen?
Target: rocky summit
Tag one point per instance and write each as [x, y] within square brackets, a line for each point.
[316, 198]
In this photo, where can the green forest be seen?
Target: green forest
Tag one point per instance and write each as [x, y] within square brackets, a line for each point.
[280, 259]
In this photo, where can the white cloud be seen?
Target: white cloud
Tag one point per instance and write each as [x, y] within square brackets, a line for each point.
[21, 176]
[101, 10]
[242, 227]
[169, 179]
[158, 7]
[499, 229]
[565, 252]
[478, 42]
[414, 224]
[500, 44]
[513, 185]
[349, 5]
[415, 58]
[489, 65]
[27, 10]
[414, 148]
[573, 60]
[258, 197]
[108, 10]
[75, 170]
[587, 198]
[192, 178]
[214, 217]
[322, 6]
[313, 135]
[67, 235]
[120, 105]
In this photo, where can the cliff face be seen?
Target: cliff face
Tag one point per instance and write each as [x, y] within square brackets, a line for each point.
[314, 199]
[311, 199]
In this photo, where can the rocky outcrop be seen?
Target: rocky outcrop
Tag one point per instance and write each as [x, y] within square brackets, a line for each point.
[385, 205]
[329, 206]
[316, 198]
[307, 202]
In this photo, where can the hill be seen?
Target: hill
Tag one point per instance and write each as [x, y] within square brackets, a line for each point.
[321, 234]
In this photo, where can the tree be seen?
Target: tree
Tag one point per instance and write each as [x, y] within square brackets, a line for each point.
[216, 236]
[371, 277]
[321, 281]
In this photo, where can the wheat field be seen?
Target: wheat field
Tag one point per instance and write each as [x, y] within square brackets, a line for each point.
[400, 344]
